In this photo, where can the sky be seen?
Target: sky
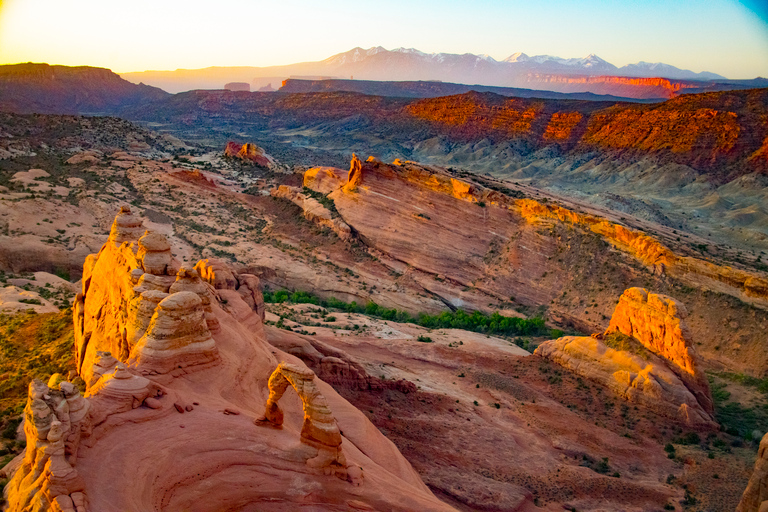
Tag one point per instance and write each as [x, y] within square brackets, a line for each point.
[727, 37]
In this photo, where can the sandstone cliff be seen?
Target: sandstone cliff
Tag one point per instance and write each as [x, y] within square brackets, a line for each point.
[389, 181]
[652, 362]
[755, 498]
[171, 358]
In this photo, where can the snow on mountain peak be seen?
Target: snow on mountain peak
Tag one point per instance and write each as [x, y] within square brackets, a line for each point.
[517, 57]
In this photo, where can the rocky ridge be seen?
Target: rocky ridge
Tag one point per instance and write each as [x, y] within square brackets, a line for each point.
[755, 498]
[747, 286]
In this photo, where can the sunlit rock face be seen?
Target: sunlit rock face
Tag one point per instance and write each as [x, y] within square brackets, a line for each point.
[171, 357]
[646, 356]
[755, 498]
[658, 322]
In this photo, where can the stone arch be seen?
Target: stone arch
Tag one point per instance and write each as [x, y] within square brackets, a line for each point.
[319, 430]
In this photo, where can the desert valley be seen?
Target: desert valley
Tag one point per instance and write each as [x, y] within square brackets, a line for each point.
[371, 285]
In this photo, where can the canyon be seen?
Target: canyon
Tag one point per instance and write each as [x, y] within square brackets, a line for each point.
[455, 339]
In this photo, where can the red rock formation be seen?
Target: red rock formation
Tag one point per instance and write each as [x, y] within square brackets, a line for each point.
[319, 429]
[658, 322]
[672, 384]
[248, 152]
[137, 405]
[355, 175]
[197, 177]
[755, 497]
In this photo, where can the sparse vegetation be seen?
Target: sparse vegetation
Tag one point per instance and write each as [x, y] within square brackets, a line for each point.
[476, 321]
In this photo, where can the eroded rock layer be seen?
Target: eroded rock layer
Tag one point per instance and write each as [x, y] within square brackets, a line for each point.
[171, 360]
[645, 356]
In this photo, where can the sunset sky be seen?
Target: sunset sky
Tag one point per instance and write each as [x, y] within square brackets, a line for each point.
[723, 36]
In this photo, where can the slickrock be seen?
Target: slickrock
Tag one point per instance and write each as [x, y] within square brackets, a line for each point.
[319, 429]
[639, 358]
[658, 322]
[136, 334]
[83, 157]
[314, 210]
[324, 179]
[755, 497]
[387, 184]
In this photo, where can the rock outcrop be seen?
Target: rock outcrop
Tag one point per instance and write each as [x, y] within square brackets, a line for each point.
[755, 497]
[154, 330]
[355, 174]
[171, 360]
[248, 152]
[645, 356]
[55, 419]
[314, 211]
[658, 322]
[319, 429]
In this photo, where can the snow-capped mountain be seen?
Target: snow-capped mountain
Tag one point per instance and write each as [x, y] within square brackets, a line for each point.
[410, 64]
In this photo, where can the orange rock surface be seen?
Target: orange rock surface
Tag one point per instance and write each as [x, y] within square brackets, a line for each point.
[755, 498]
[658, 322]
[147, 434]
[668, 380]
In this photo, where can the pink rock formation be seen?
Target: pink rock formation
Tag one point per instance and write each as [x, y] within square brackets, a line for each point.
[324, 179]
[319, 430]
[658, 322]
[159, 382]
[755, 497]
[55, 419]
[248, 152]
[355, 175]
[666, 378]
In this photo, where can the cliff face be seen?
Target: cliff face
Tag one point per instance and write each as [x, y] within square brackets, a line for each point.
[140, 324]
[668, 380]
[716, 133]
[40, 88]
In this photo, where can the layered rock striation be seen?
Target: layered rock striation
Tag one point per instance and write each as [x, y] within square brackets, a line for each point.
[313, 210]
[646, 356]
[171, 357]
[373, 177]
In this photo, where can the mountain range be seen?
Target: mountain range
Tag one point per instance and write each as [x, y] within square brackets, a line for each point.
[409, 64]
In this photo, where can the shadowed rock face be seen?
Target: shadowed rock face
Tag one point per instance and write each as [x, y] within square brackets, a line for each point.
[755, 498]
[667, 379]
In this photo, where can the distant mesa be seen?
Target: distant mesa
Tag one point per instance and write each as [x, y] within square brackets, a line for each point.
[267, 88]
[238, 86]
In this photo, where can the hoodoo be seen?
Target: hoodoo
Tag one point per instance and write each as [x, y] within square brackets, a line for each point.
[169, 362]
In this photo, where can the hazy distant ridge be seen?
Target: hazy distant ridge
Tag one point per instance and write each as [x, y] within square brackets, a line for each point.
[408, 64]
